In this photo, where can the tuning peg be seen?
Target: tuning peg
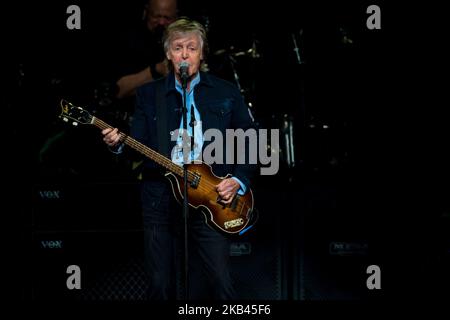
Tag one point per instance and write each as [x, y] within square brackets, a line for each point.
[65, 119]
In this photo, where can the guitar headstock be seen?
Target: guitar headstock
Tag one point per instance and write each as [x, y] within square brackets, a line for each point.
[77, 115]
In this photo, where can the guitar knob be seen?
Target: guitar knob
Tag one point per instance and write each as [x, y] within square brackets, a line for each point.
[74, 123]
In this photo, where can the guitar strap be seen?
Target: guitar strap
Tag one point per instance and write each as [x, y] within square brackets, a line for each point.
[162, 118]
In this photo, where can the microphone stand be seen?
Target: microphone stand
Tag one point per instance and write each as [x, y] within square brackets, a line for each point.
[185, 191]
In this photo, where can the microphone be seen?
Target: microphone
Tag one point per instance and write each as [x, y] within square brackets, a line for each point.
[184, 74]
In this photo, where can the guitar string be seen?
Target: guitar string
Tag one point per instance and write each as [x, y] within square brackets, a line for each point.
[168, 163]
[139, 146]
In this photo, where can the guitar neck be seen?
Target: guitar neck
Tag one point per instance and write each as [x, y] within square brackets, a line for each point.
[148, 152]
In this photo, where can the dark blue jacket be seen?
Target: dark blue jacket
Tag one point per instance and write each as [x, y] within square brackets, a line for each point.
[220, 105]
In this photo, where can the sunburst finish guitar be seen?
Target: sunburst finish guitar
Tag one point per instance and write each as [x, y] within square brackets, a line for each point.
[232, 218]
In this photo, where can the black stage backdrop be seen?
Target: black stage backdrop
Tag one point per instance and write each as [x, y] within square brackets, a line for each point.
[342, 200]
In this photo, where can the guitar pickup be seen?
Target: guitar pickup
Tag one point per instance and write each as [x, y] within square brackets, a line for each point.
[195, 181]
[233, 203]
[219, 200]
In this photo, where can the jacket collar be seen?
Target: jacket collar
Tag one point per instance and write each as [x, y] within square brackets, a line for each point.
[205, 80]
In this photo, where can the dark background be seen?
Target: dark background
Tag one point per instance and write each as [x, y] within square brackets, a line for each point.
[365, 189]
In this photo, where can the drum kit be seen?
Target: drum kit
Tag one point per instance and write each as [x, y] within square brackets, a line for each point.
[236, 65]
[241, 65]
[300, 132]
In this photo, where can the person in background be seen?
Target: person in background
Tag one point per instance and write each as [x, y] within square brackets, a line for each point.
[142, 57]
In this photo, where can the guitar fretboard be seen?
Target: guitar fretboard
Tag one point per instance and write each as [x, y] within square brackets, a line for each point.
[152, 154]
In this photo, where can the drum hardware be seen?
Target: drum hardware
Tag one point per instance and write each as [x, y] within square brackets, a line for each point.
[287, 130]
[296, 47]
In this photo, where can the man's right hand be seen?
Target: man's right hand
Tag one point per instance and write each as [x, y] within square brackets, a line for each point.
[111, 136]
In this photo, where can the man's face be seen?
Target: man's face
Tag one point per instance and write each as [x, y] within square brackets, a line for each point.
[186, 47]
[161, 13]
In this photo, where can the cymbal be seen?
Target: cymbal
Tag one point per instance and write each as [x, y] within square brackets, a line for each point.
[252, 52]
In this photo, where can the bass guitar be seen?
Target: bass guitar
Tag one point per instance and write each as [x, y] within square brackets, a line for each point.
[233, 218]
